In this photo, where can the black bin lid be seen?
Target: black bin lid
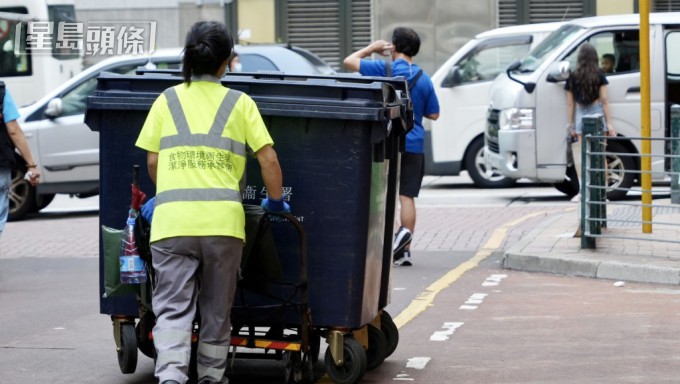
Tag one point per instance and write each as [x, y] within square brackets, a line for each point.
[326, 97]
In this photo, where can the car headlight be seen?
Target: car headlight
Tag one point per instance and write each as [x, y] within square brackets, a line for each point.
[517, 118]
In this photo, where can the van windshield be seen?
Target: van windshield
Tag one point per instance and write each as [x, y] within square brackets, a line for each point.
[539, 54]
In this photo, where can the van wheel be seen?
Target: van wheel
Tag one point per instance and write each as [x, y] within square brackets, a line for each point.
[618, 171]
[476, 168]
[570, 185]
[42, 201]
[21, 195]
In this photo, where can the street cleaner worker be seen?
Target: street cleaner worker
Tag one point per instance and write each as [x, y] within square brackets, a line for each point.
[196, 135]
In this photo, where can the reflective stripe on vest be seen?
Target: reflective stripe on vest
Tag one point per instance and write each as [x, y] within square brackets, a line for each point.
[214, 137]
[213, 140]
[198, 194]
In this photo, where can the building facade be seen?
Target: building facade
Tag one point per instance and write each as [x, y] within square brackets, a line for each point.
[335, 28]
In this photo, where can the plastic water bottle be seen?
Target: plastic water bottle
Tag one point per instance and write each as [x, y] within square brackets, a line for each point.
[132, 268]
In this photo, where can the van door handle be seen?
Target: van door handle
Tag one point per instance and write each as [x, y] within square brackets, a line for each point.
[633, 90]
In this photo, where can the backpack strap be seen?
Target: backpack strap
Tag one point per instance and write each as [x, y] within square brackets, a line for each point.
[388, 69]
[2, 96]
[414, 80]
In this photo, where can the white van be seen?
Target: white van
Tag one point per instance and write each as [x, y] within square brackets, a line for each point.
[30, 74]
[527, 119]
[455, 141]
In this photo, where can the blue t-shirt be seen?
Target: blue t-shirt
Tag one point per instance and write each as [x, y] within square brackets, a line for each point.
[422, 95]
[9, 108]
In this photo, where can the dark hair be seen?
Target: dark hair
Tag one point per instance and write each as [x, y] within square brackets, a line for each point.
[610, 57]
[207, 46]
[585, 80]
[406, 41]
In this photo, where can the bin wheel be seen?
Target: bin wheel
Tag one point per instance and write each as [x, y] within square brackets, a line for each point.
[391, 332]
[127, 355]
[353, 366]
[377, 348]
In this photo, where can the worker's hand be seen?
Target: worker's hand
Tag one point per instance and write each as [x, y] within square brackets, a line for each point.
[275, 206]
[147, 209]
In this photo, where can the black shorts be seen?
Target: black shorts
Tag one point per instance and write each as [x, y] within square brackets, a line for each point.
[412, 172]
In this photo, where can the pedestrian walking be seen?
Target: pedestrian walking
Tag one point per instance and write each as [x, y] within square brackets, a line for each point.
[404, 46]
[196, 135]
[586, 94]
[11, 138]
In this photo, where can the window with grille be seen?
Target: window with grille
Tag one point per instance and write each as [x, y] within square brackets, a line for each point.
[513, 12]
[331, 29]
[666, 6]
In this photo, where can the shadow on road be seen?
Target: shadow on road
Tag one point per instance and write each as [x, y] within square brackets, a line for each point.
[52, 215]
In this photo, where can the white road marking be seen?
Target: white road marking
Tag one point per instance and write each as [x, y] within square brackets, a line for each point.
[473, 302]
[444, 335]
[468, 307]
[493, 280]
[418, 362]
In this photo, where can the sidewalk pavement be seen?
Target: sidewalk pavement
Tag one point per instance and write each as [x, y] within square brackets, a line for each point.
[624, 253]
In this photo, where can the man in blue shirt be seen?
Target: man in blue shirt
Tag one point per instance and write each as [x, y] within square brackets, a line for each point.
[404, 46]
[11, 136]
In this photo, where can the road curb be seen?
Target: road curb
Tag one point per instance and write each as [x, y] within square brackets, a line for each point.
[595, 264]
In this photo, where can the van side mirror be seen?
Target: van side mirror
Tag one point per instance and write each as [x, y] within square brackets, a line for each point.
[559, 72]
[514, 66]
[54, 108]
[453, 78]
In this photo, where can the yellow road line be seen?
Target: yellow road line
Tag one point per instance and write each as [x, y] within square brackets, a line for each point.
[426, 298]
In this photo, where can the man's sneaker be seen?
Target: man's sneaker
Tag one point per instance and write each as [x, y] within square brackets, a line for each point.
[404, 261]
[401, 239]
[398, 255]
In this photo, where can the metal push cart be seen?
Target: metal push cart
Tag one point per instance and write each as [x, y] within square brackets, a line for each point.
[338, 141]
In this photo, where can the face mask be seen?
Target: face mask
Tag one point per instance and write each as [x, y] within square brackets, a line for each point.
[238, 67]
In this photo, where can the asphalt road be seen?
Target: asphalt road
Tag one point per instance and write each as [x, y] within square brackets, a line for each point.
[462, 318]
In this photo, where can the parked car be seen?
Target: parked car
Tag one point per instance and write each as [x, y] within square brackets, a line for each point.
[67, 151]
[455, 142]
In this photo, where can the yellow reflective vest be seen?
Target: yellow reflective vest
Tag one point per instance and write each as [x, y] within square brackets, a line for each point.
[200, 133]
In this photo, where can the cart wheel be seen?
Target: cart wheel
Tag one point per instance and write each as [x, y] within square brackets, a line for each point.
[143, 342]
[353, 367]
[193, 361]
[127, 355]
[314, 346]
[391, 332]
[298, 369]
[377, 348]
[287, 365]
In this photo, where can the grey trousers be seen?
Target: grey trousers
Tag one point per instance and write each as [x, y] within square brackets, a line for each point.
[193, 270]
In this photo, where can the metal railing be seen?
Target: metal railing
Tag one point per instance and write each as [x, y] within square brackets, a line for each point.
[595, 222]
